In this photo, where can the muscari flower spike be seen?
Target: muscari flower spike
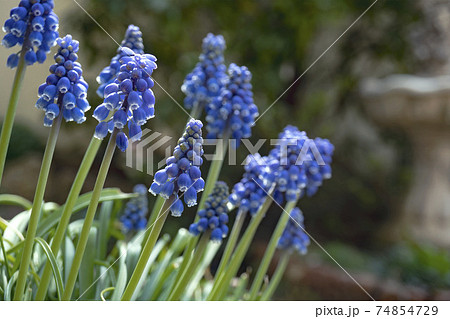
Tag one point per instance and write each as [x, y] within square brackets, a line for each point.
[251, 192]
[209, 75]
[34, 26]
[64, 90]
[132, 40]
[214, 216]
[129, 99]
[303, 164]
[294, 237]
[182, 172]
[317, 172]
[134, 216]
[233, 110]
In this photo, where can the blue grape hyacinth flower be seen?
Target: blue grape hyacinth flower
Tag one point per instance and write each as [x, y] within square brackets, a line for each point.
[250, 193]
[34, 26]
[294, 237]
[129, 100]
[132, 40]
[65, 90]
[135, 213]
[233, 111]
[320, 169]
[182, 173]
[303, 164]
[214, 216]
[209, 75]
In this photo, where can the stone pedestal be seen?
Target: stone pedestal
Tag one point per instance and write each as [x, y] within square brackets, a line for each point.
[421, 107]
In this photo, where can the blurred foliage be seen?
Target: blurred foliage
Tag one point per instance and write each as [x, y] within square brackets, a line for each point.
[24, 142]
[278, 41]
[421, 265]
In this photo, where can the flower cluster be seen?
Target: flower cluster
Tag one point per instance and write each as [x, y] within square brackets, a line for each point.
[65, 90]
[129, 97]
[214, 216]
[134, 216]
[320, 169]
[291, 178]
[182, 173]
[249, 194]
[133, 41]
[294, 236]
[34, 25]
[209, 75]
[233, 110]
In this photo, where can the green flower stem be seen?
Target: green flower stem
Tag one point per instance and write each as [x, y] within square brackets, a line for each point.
[187, 256]
[153, 215]
[214, 171]
[57, 239]
[196, 111]
[147, 250]
[277, 275]
[36, 209]
[11, 112]
[187, 275]
[90, 214]
[222, 281]
[232, 240]
[270, 250]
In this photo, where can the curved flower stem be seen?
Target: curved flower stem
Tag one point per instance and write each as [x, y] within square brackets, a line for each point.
[187, 275]
[36, 209]
[221, 283]
[57, 239]
[11, 112]
[232, 240]
[147, 250]
[270, 250]
[277, 275]
[90, 214]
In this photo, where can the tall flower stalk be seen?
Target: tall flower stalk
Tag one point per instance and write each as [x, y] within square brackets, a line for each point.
[128, 101]
[36, 209]
[33, 26]
[212, 224]
[293, 239]
[57, 101]
[72, 197]
[179, 181]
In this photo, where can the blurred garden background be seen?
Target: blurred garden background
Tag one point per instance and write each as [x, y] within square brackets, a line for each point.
[359, 215]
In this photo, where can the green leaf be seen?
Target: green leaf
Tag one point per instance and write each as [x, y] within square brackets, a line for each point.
[15, 200]
[68, 252]
[86, 274]
[102, 293]
[55, 269]
[121, 281]
[83, 201]
[155, 252]
[8, 289]
[211, 251]
[14, 228]
[103, 228]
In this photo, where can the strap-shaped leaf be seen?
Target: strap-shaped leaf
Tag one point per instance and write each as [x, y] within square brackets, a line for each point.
[51, 258]
[15, 200]
[83, 201]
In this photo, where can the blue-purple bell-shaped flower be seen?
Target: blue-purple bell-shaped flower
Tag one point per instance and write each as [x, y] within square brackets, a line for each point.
[294, 237]
[182, 175]
[64, 91]
[34, 26]
[214, 216]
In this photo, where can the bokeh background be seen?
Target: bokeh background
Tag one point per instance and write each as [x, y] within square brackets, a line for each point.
[357, 216]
